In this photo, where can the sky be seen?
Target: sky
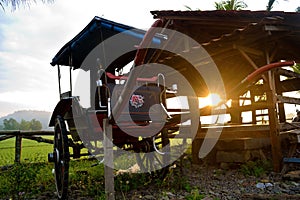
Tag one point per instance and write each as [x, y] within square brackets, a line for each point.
[31, 36]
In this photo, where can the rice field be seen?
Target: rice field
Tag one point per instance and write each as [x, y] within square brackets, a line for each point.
[32, 151]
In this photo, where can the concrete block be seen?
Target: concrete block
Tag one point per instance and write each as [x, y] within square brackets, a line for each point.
[242, 144]
[233, 156]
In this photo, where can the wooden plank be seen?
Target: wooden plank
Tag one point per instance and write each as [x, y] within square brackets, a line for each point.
[227, 132]
[236, 131]
[291, 100]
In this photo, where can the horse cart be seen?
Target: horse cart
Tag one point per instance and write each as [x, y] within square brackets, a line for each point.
[133, 100]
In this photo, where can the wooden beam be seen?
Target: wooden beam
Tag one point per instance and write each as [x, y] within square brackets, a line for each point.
[252, 63]
[290, 100]
[289, 126]
[26, 133]
[6, 137]
[249, 50]
[39, 139]
[287, 73]
[257, 106]
[289, 85]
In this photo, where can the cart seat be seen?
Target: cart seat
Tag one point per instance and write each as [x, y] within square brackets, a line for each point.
[144, 105]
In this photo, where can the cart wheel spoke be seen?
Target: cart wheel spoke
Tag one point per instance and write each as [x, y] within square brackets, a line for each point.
[150, 160]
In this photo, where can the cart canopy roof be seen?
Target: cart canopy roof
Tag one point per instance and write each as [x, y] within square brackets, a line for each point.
[98, 30]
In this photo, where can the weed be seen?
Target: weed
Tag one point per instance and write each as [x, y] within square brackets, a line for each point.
[195, 195]
[24, 180]
[255, 168]
[126, 182]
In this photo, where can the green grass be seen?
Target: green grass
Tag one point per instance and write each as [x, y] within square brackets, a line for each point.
[33, 176]
[31, 150]
[31, 179]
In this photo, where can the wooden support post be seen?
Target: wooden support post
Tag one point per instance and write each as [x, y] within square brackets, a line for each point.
[18, 148]
[281, 110]
[273, 119]
[236, 117]
[108, 161]
[274, 125]
[196, 144]
[252, 97]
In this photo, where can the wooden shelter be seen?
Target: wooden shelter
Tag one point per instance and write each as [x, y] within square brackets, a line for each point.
[240, 42]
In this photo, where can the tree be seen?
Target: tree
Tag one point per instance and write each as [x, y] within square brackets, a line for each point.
[25, 125]
[298, 9]
[14, 4]
[10, 124]
[35, 125]
[230, 5]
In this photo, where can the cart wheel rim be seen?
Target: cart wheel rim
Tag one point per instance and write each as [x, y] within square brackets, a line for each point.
[61, 161]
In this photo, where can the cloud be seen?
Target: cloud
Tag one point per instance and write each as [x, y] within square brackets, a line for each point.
[29, 39]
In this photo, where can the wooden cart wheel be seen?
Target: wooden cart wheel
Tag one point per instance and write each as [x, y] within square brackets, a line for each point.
[150, 159]
[61, 158]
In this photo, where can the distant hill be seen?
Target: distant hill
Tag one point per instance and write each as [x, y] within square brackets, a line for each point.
[28, 115]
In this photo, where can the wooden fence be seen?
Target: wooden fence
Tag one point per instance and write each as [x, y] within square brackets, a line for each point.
[31, 135]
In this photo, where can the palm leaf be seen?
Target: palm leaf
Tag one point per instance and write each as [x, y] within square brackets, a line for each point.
[14, 4]
[230, 5]
[270, 5]
[296, 68]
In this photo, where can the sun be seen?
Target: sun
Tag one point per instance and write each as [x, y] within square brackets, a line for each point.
[212, 99]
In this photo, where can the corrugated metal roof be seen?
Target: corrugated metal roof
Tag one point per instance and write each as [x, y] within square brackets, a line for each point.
[238, 15]
[213, 24]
